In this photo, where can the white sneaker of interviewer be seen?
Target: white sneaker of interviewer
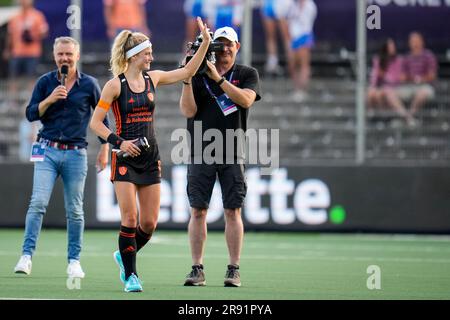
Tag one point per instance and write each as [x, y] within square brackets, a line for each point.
[24, 265]
[74, 269]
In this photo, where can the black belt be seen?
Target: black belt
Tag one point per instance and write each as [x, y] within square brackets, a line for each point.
[59, 145]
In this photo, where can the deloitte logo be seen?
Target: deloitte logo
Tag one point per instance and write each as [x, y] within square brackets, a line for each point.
[311, 200]
[337, 215]
[273, 200]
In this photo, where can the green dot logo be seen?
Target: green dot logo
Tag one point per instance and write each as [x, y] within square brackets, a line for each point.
[337, 215]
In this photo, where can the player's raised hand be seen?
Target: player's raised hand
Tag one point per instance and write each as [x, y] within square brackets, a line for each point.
[204, 30]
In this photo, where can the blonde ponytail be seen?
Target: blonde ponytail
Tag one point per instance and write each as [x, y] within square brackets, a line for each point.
[123, 42]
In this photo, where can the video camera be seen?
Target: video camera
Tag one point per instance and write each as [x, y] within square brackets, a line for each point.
[214, 46]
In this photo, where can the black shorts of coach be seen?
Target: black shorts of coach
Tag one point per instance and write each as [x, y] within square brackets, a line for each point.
[202, 177]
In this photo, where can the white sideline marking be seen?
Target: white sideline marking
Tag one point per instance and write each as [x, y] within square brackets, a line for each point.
[8, 298]
[323, 257]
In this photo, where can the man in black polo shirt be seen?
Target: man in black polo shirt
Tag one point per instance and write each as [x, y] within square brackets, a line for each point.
[218, 101]
[64, 105]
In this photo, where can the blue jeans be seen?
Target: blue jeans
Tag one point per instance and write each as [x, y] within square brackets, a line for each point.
[72, 166]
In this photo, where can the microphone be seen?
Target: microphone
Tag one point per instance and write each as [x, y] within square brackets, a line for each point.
[64, 71]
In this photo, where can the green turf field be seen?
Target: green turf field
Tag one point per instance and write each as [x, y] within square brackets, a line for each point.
[274, 266]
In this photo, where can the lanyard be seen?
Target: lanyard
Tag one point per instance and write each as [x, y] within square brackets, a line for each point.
[209, 89]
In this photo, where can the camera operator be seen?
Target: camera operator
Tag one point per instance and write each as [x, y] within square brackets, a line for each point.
[219, 99]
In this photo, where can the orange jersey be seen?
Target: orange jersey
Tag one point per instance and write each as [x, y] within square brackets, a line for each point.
[126, 14]
[34, 21]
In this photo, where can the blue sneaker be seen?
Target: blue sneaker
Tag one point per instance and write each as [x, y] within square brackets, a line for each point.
[133, 284]
[118, 260]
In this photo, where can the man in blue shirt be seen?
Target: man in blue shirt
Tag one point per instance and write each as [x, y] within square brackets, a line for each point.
[64, 105]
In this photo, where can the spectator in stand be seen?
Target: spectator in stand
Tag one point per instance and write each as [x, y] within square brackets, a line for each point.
[274, 14]
[125, 14]
[419, 73]
[192, 10]
[26, 30]
[386, 76]
[222, 13]
[302, 15]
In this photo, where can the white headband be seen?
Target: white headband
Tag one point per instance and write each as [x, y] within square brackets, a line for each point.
[135, 50]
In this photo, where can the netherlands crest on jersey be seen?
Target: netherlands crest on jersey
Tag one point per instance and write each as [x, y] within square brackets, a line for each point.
[123, 170]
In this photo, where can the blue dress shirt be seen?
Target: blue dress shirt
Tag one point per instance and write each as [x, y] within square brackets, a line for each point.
[65, 121]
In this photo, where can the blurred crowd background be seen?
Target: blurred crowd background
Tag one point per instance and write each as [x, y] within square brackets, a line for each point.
[304, 50]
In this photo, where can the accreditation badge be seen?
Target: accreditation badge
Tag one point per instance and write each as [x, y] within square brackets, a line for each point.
[226, 104]
[37, 152]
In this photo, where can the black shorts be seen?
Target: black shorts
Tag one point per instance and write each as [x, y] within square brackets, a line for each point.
[202, 177]
[144, 169]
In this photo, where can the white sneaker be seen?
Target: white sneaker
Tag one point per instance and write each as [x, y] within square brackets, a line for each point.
[273, 69]
[412, 123]
[24, 265]
[299, 96]
[272, 66]
[74, 269]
